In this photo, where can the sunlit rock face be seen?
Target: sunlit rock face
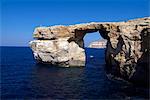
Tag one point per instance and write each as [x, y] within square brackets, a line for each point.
[127, 50]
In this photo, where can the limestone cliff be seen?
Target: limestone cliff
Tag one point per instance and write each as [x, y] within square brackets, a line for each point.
[127, 53]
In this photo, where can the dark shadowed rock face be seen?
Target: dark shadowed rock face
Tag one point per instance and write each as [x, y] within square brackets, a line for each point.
[127, 53]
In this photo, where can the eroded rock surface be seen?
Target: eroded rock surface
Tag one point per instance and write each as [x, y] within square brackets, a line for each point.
[127, 53]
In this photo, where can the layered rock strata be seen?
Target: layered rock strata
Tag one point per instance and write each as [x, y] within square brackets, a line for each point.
[127, 50]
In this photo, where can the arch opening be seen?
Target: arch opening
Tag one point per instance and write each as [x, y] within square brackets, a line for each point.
[94, 40]
[94, 45]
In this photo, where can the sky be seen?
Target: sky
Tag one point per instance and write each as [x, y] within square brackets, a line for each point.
[20, 17]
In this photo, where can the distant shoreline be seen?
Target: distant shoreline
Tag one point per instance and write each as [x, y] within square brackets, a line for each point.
[98, 44]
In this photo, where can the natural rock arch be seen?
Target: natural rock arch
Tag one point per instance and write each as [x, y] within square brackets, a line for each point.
[126, 49]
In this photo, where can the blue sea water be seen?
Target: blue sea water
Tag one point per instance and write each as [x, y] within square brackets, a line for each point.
[22, 78]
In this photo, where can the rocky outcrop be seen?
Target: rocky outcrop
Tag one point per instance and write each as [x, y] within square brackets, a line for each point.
[127, 53]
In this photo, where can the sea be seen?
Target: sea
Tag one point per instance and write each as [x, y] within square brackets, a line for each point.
[22, 78]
